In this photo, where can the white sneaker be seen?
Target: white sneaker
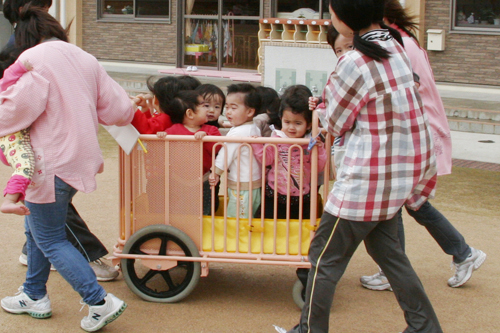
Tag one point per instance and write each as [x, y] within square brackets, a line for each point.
[22, 303]
[189, 68]
[101, 315]
[194, 69]
[376, 281]
[463, 270]
[279, 329]
[23, 259]
[103, 271]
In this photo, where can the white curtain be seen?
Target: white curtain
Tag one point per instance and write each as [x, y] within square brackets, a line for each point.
[189, 9]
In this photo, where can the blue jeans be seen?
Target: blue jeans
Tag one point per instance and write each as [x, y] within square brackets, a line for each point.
[47, 243]
[444, 233]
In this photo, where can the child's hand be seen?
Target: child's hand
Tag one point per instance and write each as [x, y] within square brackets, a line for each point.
[213, 179]
[313, 102]
[27, 65]
[199, 135]
[143, 101]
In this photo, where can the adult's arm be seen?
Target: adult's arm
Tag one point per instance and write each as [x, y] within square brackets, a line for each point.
[113, 104]
[344, 95]
[23, 103]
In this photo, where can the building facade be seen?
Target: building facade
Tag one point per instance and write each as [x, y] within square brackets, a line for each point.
[462, 37]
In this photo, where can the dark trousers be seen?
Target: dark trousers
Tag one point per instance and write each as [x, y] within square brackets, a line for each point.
[335, 242]
[207, 198]
[444, 233]
[81, 237]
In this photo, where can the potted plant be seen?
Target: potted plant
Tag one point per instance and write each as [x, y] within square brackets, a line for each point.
[488, 15]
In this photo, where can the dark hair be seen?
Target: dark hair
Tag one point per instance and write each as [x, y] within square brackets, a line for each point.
[35, 25]
[164, 89]
[184, 100]
[11, 8]
[270, 104]
[188, 82]
[394, 13]
[296, 99]
[7, 57]
[252, 97]
[360, 14]
[331, 36]
[208, 90]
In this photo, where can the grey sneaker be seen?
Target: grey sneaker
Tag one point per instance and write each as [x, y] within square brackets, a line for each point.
[103, 271]
[101, 315]
[23, 259]
[463, 270]
[376, 281]
[22, 303]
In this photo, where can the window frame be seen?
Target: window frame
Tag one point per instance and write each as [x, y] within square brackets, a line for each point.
[454, 29]
[131, 18]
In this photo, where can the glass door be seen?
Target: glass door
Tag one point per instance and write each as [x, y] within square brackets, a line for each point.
[221, 33]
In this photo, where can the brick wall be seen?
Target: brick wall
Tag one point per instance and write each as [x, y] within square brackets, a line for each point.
[141, 42]
[468, 58]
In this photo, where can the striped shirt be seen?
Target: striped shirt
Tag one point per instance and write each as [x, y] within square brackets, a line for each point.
[389, 158]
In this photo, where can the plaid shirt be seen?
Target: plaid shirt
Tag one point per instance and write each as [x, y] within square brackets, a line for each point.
[389, 158]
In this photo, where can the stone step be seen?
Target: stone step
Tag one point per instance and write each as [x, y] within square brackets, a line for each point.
[475, 120]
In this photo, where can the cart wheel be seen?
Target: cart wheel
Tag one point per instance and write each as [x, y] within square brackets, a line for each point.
[299, 294]
[165, 286]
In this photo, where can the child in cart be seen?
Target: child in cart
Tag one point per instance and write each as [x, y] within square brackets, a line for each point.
[188, 112]
[242, 105]
[16, 151]
[296, 121]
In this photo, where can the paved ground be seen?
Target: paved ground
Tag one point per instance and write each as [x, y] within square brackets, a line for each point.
[250, 298]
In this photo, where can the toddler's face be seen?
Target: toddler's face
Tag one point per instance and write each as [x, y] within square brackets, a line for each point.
[201, 112]
[214, 106]
[294, 125]
[343, 45]
[237, 112]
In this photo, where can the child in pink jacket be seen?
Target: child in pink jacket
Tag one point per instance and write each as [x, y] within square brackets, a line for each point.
[296, 119]
[16, 151]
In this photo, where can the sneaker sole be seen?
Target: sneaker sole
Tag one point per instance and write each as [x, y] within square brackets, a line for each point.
[108, 320]
[382, 287]
[35, 315]
[477, 263]
[107, 279]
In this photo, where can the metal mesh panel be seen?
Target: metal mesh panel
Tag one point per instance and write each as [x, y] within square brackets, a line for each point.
[148, 185]
[185, 187]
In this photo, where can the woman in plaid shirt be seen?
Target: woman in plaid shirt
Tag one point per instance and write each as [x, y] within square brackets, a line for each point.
[371, 100]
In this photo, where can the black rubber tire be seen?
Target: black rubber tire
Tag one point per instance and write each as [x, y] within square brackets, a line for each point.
[167, 286]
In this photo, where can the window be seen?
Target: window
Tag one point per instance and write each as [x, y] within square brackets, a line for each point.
[476, 15]
[124, 10]
[308, 9]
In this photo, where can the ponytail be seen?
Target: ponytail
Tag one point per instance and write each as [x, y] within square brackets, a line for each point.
[35, 25]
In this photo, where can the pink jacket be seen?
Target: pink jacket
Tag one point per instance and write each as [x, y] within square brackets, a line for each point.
[433, 105]
[283, 161]
[64, 99]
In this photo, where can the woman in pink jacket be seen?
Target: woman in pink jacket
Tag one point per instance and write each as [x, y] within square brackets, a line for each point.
[62, 100]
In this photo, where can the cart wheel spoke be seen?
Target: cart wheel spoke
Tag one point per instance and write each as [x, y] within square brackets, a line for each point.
[168, 279]
[148, 276]
[163, 246]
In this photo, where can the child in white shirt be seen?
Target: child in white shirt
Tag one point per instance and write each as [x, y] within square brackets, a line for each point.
[242, 105]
